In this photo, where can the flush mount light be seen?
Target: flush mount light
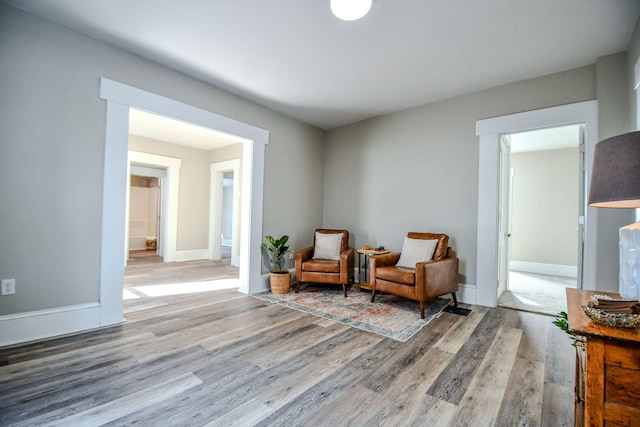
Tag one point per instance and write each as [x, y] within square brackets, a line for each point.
[350, 10]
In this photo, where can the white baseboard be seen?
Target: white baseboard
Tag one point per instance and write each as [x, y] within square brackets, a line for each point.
[191, 255]
[235, 260]
[541, 268]
[35, 325]
[466, 294]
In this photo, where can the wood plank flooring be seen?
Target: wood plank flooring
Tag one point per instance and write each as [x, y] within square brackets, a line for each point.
[221, 358]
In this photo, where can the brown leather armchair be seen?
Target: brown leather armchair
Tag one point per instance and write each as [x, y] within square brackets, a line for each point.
[332, 271]
[429, 279]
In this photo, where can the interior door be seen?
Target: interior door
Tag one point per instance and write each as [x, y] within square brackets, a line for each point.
[504, 216]
[581, 205]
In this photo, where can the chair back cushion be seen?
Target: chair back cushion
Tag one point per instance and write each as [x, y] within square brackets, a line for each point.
[441, 247]
[325, 242]
[415, 251]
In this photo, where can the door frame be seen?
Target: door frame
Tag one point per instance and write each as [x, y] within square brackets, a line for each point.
[170, 189]
[489, 132]
[215, 208]
[120, 98]
[504, 216]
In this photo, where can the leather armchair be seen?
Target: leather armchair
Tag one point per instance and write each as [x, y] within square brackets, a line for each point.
[338, 272]
[430, 279]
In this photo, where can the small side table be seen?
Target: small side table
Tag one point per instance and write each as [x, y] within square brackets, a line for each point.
[364, 284]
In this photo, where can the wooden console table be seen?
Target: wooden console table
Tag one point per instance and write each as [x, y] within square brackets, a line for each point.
[612, 382]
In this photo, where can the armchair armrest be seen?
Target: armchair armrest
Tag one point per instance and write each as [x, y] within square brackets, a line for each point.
[385, 260]
[302, 256]
[436, 277]
[346, 265]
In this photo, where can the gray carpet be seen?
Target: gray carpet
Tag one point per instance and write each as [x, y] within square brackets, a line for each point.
[538, 293]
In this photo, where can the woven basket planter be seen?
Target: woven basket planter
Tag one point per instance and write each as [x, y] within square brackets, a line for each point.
[280, 281]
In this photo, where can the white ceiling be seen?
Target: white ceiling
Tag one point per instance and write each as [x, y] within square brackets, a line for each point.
[546, 139]
[295, 57]
[174, 131]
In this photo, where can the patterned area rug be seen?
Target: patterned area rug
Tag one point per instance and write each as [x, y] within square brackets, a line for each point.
[390, 316]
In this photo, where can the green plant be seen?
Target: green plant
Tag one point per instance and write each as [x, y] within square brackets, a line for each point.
[277, 249]
[562, 322]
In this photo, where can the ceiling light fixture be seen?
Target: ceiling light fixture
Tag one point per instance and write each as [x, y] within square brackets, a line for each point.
[350, 10]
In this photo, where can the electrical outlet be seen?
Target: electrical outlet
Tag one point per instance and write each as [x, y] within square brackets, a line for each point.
[8, 286]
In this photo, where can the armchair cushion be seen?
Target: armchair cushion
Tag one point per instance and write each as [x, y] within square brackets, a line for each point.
[321, 266]
[405, 276]
[327, 246]
[416, 250]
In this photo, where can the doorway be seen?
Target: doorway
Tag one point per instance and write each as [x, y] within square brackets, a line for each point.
[224, 209]
[489, 132]
[541, 211]
[144, 216]
[120, 98]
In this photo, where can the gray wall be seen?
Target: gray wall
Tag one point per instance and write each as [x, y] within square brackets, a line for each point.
[417, 170]
[633, 54]
[614, 119]
[544, 226]
[193, 198]
[52, 155]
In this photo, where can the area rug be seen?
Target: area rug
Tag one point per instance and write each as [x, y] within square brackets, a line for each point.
[390, 316]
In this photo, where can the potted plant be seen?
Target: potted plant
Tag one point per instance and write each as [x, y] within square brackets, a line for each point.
[280, 278]
[562, 322]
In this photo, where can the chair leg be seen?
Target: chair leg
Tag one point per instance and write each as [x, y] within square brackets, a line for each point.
[373, 294]
[422, 309]
[344, 289]
[298, 287]
[455, 299]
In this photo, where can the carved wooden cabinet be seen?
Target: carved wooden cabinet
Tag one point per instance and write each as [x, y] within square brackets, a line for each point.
[612, 380]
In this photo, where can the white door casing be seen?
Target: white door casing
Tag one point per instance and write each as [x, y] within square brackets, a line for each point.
[170, 193]
[504, 228]
[489, 132]
[120, 98]
[215, 209]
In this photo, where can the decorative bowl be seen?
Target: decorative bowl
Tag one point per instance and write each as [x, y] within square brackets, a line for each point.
[617, 320]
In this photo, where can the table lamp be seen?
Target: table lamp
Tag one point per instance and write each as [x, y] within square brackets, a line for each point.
[615, 183]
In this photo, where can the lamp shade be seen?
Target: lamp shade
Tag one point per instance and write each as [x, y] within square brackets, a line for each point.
[615, 178]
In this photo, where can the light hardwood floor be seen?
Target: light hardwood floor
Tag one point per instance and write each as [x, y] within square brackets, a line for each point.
[222, 358]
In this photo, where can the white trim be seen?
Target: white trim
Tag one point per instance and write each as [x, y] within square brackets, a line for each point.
[112, 243]
[466, 293]
[254, 140]
[542, 268]
[215, 208]
[489, 131]
[191, 255]
[35, 325]
[169, 216]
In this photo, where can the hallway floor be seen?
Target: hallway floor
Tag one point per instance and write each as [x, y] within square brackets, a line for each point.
[537, 293]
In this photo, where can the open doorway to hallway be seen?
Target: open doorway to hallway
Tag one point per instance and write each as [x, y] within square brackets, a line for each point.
[541, 226]
[170, 206]
[145, 214]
